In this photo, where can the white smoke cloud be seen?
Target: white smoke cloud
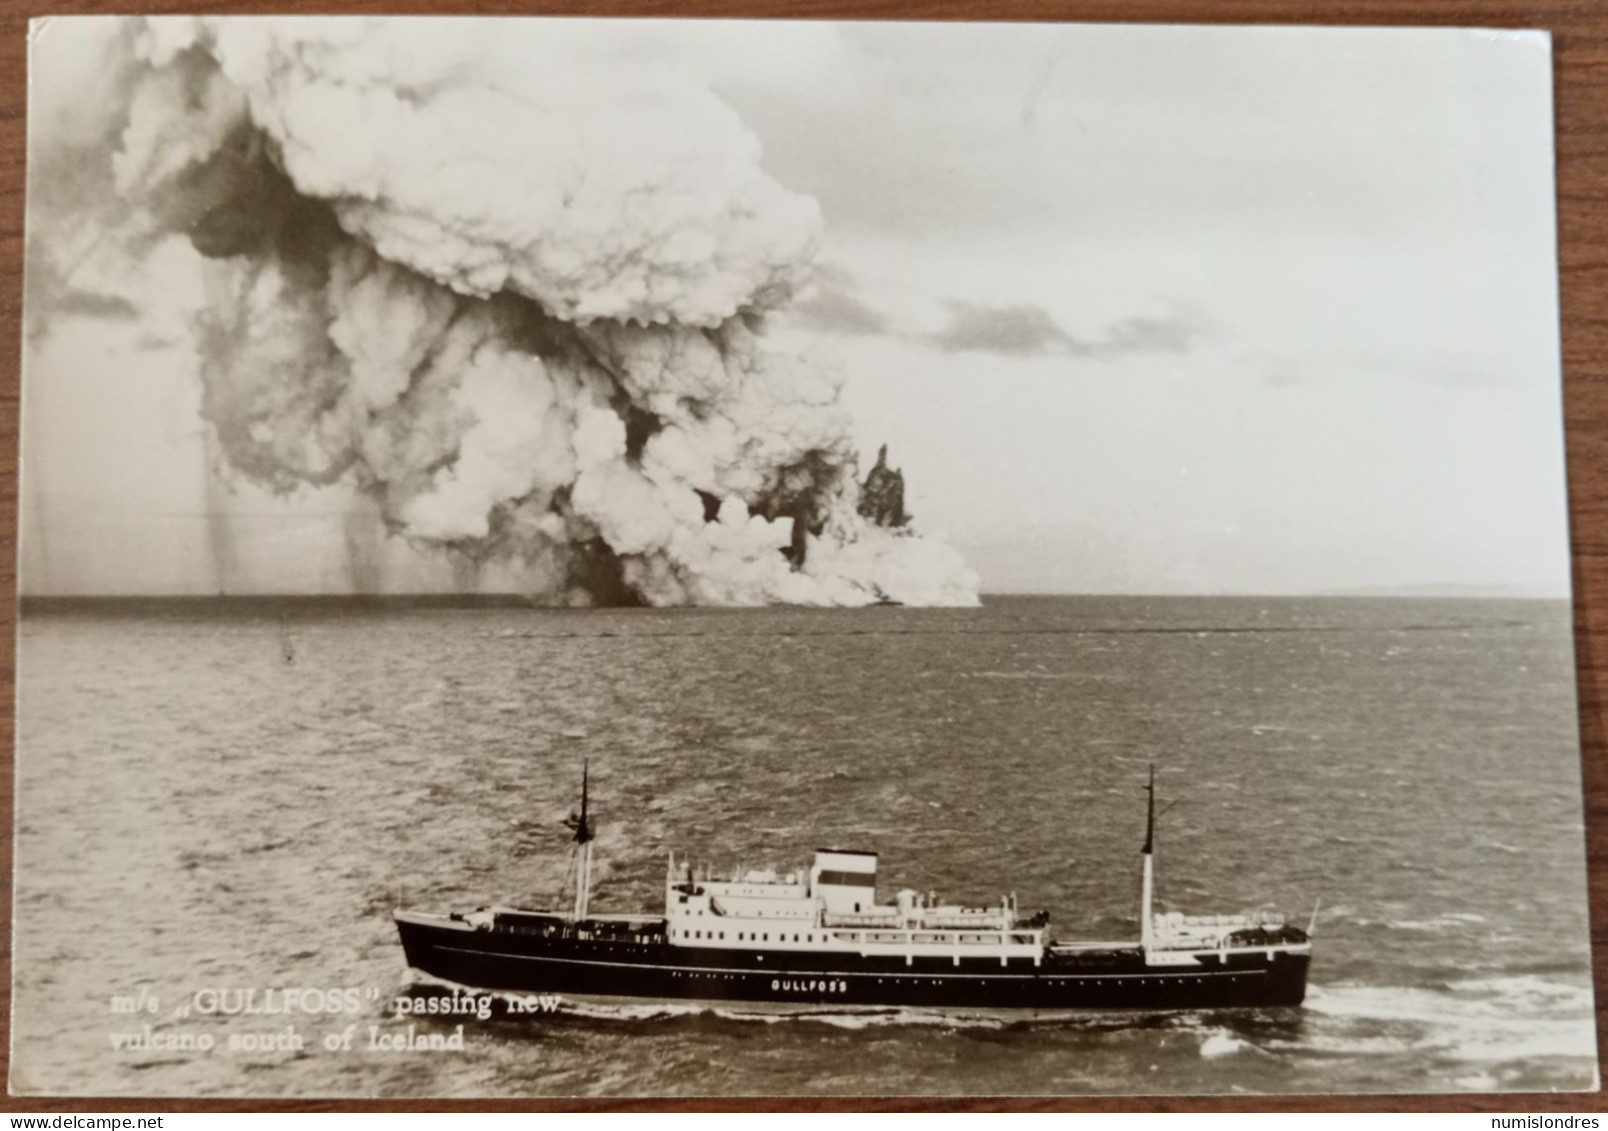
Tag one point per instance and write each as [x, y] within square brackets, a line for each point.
[520, 301]
[597, 193]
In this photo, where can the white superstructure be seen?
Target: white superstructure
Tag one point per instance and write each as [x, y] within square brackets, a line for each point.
[833, 907]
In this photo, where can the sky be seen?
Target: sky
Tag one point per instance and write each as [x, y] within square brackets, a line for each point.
[1136, 309]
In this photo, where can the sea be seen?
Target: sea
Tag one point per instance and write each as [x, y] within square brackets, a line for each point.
[220, 803]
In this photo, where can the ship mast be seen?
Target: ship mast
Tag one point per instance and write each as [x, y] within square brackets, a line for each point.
[581, 823]
[1148, 885]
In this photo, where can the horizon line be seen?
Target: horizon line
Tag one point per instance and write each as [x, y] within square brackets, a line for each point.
[523, 599]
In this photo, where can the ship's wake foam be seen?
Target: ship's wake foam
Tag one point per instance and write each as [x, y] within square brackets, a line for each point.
[1487, 1021]
[853, 1017]
[844, 1017]
[520, 298]
[1518, 1018]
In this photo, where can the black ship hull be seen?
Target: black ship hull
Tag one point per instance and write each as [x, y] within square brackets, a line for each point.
[639, 964]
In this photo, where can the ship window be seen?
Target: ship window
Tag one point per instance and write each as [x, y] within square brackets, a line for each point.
[739, 936]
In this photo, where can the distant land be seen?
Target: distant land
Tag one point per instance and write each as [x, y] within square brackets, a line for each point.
[1494, 592]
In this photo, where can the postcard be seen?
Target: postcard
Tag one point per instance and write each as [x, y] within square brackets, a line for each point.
[568, 557]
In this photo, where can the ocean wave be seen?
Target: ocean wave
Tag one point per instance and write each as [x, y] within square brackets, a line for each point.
[1507, 1018]
[1023, 675]
[847, 1018]
[1222, 1042]
[1448, 921]
[1504, 997]
[1208, 1023]
[1554, 1039]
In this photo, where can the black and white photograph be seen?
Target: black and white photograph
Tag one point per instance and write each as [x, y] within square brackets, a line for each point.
[623, 557]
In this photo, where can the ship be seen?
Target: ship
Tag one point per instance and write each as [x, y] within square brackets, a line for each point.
[822, 938]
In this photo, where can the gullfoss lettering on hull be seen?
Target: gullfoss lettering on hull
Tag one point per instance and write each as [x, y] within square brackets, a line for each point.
[819, 938]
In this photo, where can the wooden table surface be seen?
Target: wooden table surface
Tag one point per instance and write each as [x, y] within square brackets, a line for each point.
[1580, 48]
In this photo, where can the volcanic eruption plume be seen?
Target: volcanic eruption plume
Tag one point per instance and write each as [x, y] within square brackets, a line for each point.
[521, 302]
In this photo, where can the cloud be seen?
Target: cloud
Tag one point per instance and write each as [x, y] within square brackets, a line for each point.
[1024, 330]
[559, 367]
[52, 295]
[835, 308]
[152, 340]
[92, 304]
[1021, 330]
[1029, 330]
[1145, 335]
[1454, 370]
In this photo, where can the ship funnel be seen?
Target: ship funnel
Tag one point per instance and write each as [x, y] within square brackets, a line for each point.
[844, 882]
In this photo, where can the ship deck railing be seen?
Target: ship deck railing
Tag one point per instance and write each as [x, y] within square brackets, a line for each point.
[550, 924]
[1079, 945]
[865, 921]
[1229, 922]
[566, 917]
[926, 937]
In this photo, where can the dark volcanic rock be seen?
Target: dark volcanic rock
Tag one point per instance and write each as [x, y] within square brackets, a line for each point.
[882, 496]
